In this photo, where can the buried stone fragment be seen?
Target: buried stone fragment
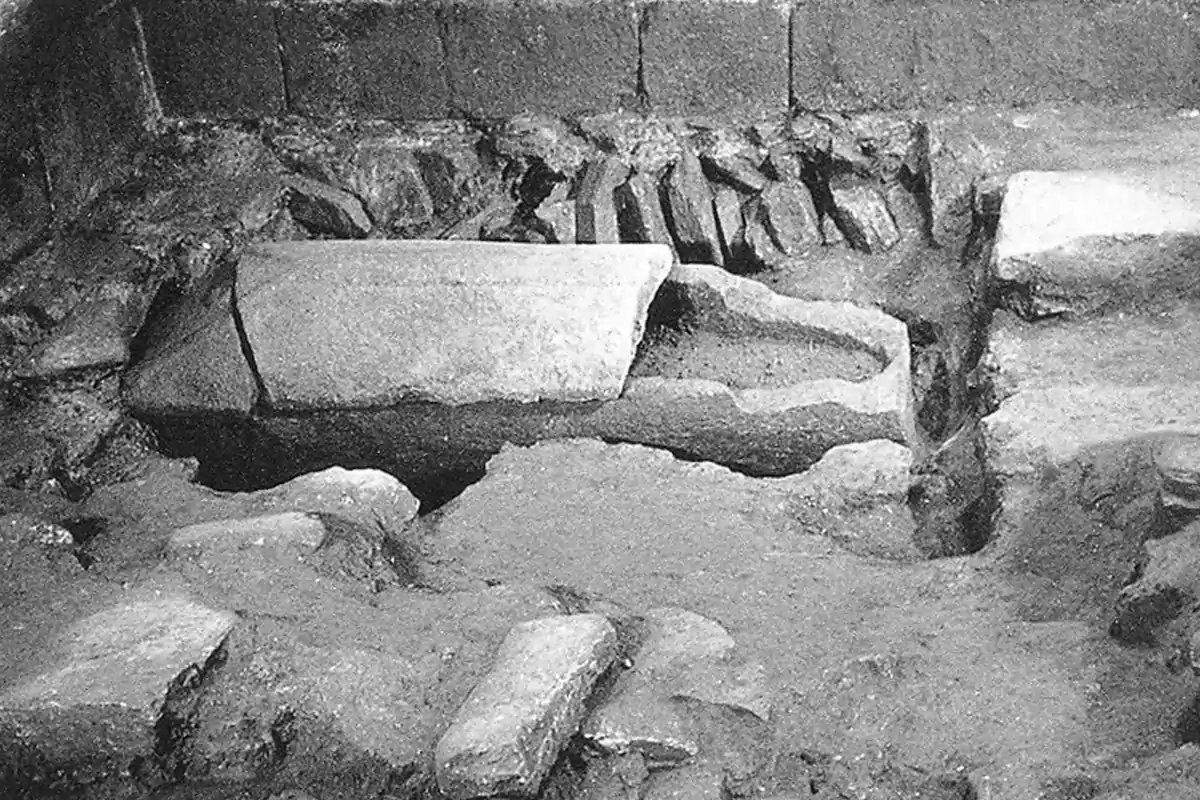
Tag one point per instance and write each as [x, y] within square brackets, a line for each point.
[1178, 461]
[509, 732]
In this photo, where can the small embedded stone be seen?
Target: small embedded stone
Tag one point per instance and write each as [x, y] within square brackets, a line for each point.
[787, 211]
[322, 209]
[1178, 461]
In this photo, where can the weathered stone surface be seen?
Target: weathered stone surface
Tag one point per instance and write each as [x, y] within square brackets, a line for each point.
[288, 563]
[683, 655]
[233, 70]
[367, 495]
[25, 208]
[689, 206]
[596, 206]
[716, 421]
[732, 159]
[569, 57]
[615, 778]
[545, 138]
[97, 333]
[363, 60]
[648, 144]
[864, 219]
[56, 438]
[693, 782]
[475, 321]
[1178, 462]
[196, 362]
[1166, 585]
[323, 209]
[711, 57]
[384, 169]
[88, 703]
[1087, 241]
[786, 211]
[640, 210]
[857, 495]
[639, 719]
[1068, 385]
[508, 733]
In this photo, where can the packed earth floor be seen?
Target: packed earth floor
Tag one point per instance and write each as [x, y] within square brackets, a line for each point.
[829, 456]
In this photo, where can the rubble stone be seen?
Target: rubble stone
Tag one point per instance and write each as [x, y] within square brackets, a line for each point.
[727, 204]
[864, 218]
[508, 733]
[323, 209]
[97, 333]
[1167, 584]
[1178, 461]
[787, 212]
[558, 211]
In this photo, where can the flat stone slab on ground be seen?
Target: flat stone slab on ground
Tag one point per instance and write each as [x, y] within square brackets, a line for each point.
[91, 703]
[509, 731]
[1066, 385]
[1088, 240]
[340, 324]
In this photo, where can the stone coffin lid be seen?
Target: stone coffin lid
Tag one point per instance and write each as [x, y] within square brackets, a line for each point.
[358, 324]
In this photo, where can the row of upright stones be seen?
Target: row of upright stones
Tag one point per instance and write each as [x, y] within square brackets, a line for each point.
[744, 198]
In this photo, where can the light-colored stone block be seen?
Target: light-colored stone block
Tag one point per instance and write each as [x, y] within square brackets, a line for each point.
[92, 698]
[508, 733]
[1087, 240]
[340, 324]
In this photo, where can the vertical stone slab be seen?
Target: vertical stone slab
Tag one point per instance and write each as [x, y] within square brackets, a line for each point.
[367, 59]
[596, 205]
[509, 731]
[557, 56]
[706, 56]
[214, 57]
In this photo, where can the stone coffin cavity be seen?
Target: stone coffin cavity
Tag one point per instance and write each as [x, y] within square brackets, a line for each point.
[424, 358]
[734, 373]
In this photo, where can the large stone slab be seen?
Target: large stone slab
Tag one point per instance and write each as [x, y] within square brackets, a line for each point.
[341, 324]
[1066, 386]
[508, 733]
[87, 703]
[1096, 240]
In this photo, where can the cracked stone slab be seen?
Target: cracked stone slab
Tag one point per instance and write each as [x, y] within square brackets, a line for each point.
[1092, 240]
[508, 733]
[339, 324]
[90, 703]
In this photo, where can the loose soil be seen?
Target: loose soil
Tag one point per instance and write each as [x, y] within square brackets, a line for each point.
[748, 363]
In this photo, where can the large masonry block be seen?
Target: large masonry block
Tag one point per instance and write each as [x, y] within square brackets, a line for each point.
[364, 59]
[903, 53]
[860, 53]
[367, 324]
[214, 57]
[559, 57]
[701, 56]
